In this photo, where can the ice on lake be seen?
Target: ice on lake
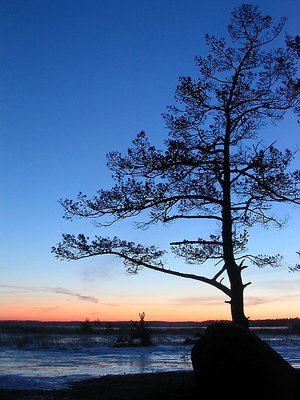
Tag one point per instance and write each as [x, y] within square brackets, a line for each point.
[68, 360]
[49, 368]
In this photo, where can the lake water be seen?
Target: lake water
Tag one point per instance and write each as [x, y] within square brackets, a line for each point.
[52, 363]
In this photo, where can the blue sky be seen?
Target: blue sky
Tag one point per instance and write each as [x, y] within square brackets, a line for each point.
[79, 79]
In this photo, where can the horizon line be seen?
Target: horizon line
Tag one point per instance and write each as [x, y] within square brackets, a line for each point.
[149, 321]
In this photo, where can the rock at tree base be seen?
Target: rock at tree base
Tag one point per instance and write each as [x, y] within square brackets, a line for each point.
[232, 363]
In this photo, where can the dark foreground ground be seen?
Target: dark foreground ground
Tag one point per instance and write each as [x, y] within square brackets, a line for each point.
[155, 386]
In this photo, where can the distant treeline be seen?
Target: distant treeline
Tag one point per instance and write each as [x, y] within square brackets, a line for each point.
[282, 325]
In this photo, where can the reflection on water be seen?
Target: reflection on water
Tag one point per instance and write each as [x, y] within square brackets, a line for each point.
[45, 368]
[286, 345]
[57, 366]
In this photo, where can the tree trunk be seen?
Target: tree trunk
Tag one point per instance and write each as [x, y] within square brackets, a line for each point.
[236, 283]
[237, 302]
[233, 270]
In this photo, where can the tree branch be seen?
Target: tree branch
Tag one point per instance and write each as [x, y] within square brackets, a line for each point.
[209, 242]
[174, 217]
[134, 256]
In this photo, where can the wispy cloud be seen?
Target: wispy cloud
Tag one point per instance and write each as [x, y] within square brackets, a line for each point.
[198, 300]
[92, 273]
[256, 300]
[287, 285]
[13, 289]
[17, 289]
[74, 294]
[219, 300]
[45, 309]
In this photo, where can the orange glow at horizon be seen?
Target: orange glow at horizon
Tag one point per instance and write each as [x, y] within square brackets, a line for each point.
[79, 311]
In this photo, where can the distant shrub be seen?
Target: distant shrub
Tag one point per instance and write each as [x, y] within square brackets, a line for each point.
[141, 331]
[296, 328]
[122, 341]
[109, 327]
[86, 327]
[23, 341]
[26, 340]
[139, 334]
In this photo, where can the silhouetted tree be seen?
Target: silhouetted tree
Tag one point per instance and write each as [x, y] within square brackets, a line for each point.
[294, 45]
[86, 327]
[213, 168]
[140, 330]
[296, 267]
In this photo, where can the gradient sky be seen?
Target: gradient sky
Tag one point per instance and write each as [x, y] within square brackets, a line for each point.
[79, 79]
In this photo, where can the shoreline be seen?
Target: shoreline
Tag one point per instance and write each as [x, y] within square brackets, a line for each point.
[175, 385]
[178, 385]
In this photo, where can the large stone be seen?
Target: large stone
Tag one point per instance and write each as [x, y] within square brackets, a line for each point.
[233, 363]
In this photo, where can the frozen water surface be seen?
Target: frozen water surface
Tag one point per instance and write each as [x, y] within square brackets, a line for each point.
[48, 369]
[56, 367]
[286, 345]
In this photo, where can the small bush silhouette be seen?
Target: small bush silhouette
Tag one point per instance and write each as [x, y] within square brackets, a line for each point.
[139, 334]
[140, 330]
[122, 341]
[86, 327]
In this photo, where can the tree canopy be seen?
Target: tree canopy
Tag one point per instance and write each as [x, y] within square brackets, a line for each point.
[214, 165]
